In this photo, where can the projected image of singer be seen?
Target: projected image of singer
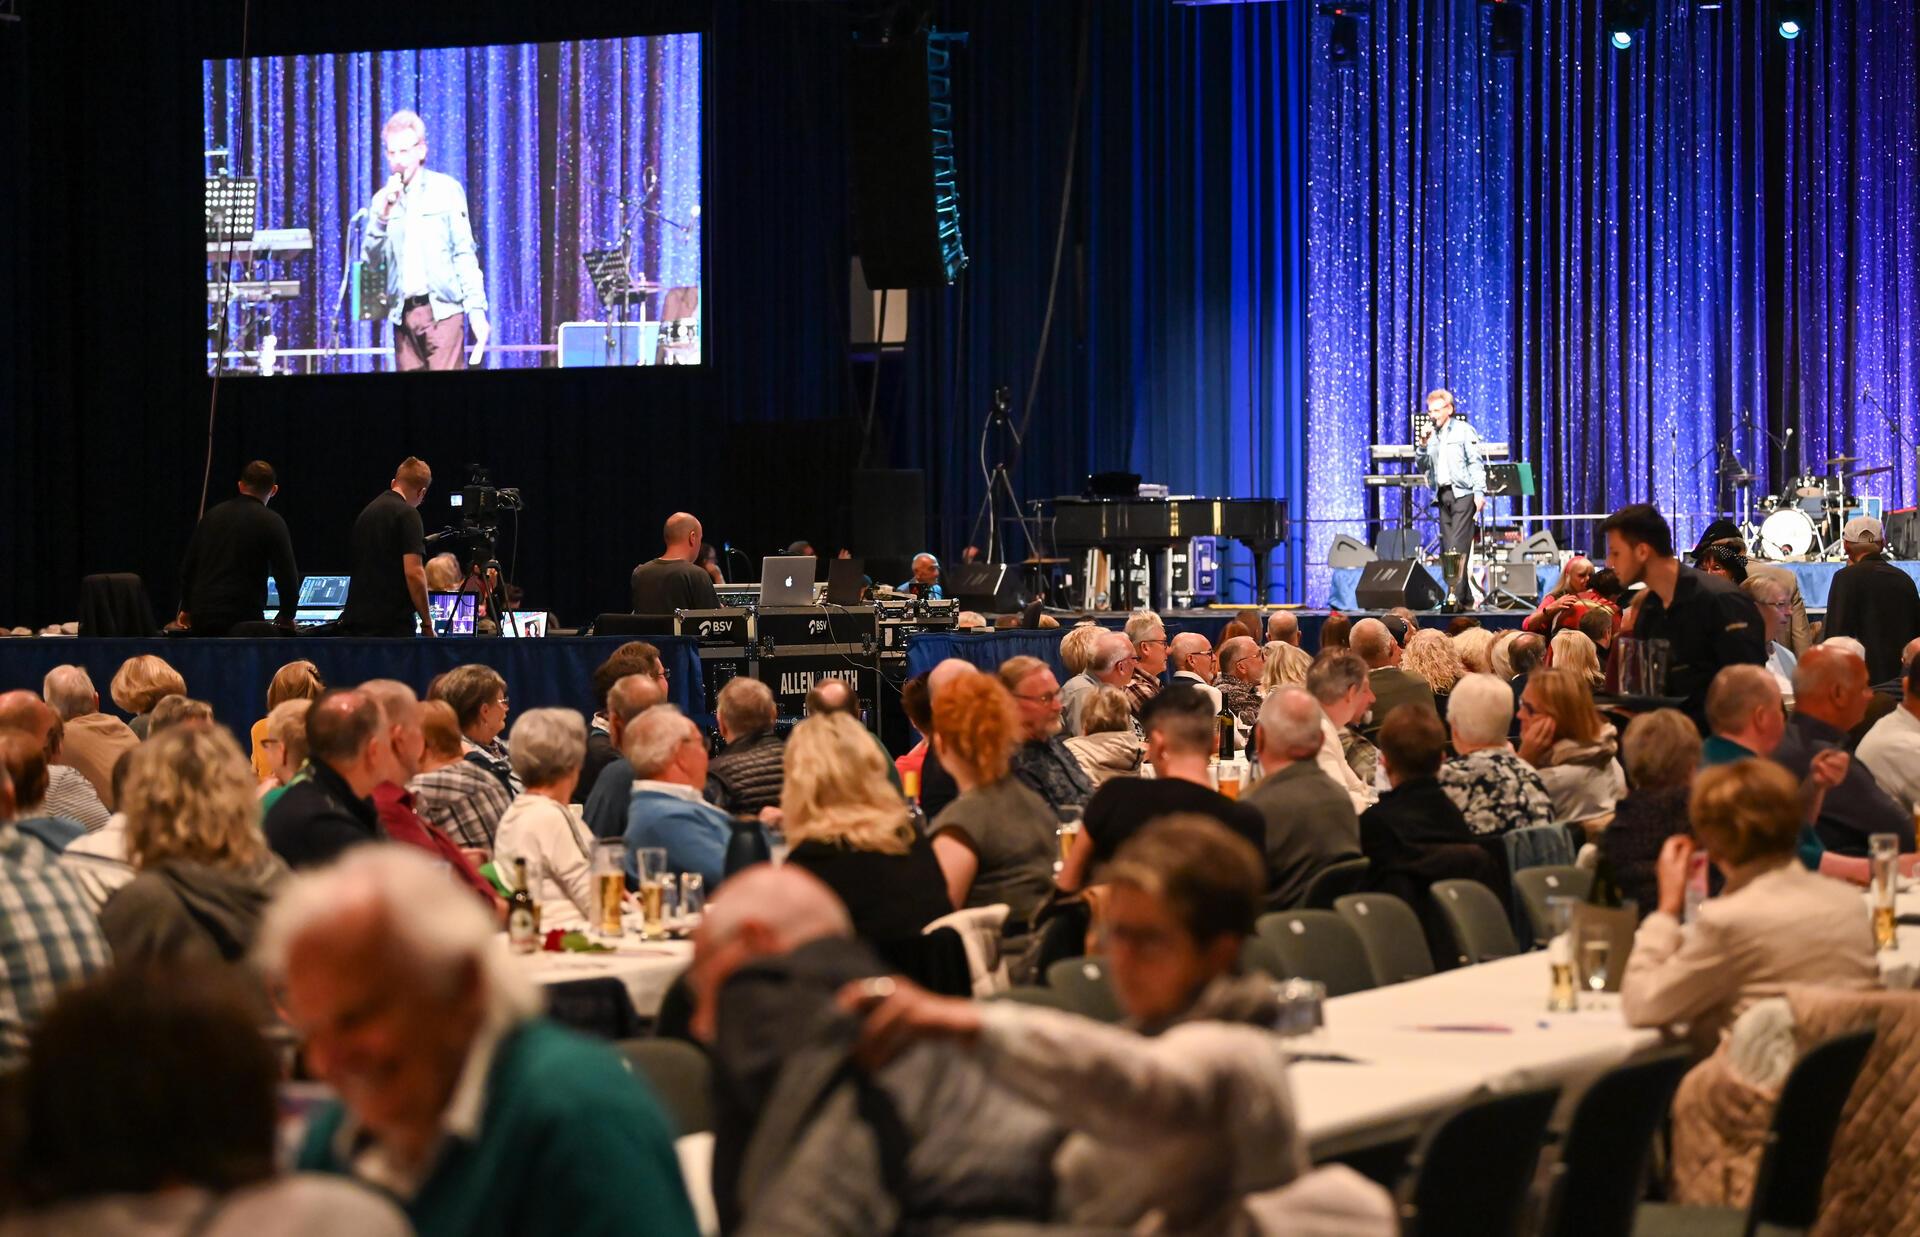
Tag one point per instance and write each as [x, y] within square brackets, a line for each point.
[1450, 454]
[417, 228]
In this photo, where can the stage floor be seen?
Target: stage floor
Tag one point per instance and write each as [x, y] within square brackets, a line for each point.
[1816, 580]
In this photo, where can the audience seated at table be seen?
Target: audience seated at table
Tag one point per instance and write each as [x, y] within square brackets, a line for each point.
[1287, 665]
[744, 777]
[1174, 1119]
[460, 798]
[635, 657]
[1110, 660]
[1110, 747]
[937, 788]
[69, 795]
[92, 741]
[149, 1105]
[1891, 749]
[48, 930]
[606, 807]
[1415, 835]
[669, 758]
[284, 743]
[140, 683]
[479, 698]
[1494, 789]
[806, 1142]
[455, 1097]
[1431, 658]
[1830, 693]
[393, 803]
[1775, 923]
[1042, 761]
[205, 874]
[1149, 637]
[851, 829]
[1180, 729]
[548, 746]
[331, 809]
[1565, 739]
[1573, 650]
[1310, 823]
[1662, 752]
[297, 680]
[1241, 664]
[1340, 683]
[995, 841]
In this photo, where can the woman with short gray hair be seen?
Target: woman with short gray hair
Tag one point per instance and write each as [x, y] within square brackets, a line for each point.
[1493, 788]
[548, 748]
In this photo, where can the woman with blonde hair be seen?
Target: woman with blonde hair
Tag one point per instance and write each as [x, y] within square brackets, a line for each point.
[1076, 647]
[1475, 647]
[1287, 666]
[142, 682]
[1575, 651]
[297, 680]
[204, 871]
[1572, 748]
[1107, 746]
[1430, 657]
[1498, 663]
[850, 827]
[995, 841]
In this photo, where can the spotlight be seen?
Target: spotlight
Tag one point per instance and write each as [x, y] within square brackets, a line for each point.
[1792, 17]
[1507, 31]
[1343, 42]
[1623, 20]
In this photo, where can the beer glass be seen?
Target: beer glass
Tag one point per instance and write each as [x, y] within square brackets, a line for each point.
[609, 860]
[1883, 852]
[650, 863]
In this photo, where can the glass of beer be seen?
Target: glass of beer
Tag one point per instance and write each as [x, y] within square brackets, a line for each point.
[651, 864]
[609, 884]
[1883, 856]
[1231, 773]
[1560, 997]
[1596, 950]
[1068, 833]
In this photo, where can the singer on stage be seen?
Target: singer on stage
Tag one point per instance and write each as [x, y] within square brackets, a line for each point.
[1449, 452]
[417, 227]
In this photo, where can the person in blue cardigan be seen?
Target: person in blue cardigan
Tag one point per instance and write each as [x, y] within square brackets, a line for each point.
[456, 1099]
[668, 808]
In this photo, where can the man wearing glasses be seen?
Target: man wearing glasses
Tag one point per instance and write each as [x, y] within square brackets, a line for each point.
[1112, 665]
[1149, 638]
[1194, 662]
[1043, 761]
[417, 228]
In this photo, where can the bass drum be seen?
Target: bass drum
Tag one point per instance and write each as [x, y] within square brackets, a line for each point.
[1789, 536]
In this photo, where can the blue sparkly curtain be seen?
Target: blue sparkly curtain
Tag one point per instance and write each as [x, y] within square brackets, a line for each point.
[1619, 260]
[544, 137]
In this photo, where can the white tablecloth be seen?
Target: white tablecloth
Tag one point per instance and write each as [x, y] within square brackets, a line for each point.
[647, 970]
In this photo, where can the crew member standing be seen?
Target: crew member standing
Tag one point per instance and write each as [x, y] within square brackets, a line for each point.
[223, 581]
[418, 228]
[389, 585]
[1449, 453]
[674, 581]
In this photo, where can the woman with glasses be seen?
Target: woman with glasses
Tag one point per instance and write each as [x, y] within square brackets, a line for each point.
[1564, 738]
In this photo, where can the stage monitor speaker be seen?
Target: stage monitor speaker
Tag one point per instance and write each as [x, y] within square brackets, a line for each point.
[1520, 579]
[889, 515]
[1903, 533]
[1539, 547]
[906, 213]
[993, 588]
[1397, 543]
[1386, 583]
[1349, 551]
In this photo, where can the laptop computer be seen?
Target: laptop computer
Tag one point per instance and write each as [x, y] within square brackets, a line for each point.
[530, 624]
[321, 600]
[846, 581]
[787, 580]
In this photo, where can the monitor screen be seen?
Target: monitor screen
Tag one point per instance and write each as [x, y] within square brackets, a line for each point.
[526, 624]
[507, 206]
[453, 613]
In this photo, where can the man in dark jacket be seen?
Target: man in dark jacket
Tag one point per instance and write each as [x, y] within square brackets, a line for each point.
[320, 816]
[1872, 600]
[1392, 687]
[748, 774]
[804, 1142]
[1310, 821]
[223, 581]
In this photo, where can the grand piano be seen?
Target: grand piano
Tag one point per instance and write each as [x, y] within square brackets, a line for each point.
[1157, 525]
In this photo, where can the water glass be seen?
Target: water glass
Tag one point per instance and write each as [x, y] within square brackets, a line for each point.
[1596, 950]
[1302, 1007]
[609, 867]
[693, 894]
[650, 864]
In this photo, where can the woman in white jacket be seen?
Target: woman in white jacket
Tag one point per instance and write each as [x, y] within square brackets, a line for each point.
[547, 750]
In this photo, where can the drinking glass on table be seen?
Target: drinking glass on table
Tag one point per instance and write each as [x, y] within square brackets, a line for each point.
[693, 894]
[1231, 774]
[1068, 832]
[1883, 857]
[1596, 952]
[609, 861]
[1561, 997]
[650, 864]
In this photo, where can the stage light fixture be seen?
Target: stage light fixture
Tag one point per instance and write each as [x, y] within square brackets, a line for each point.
[1507, 27]
[1343, 41]
[1623, 20]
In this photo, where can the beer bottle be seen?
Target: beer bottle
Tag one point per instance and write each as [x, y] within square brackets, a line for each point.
[523, 913]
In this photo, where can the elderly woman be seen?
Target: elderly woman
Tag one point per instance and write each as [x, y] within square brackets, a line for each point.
[479, 698]
[1499, 664]
[1575, 651]
[1109, 747]
[284, 743]
[1570, 594]
[462, 799]
[549, 746]
[297, 680]
[1563, 737]
[1776, 923]
[849, 827]
[443, 573]
[1775, 601]
[142, 682]
[1662, 750]
[1077, 647]
[1431, 657]
[1493, 788]
[995, 841]
[204, 871]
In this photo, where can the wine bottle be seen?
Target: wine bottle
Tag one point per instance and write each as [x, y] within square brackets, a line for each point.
[1606, 885]
[523, 913]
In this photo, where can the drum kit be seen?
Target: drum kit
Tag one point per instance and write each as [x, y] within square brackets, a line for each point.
[1802, 523]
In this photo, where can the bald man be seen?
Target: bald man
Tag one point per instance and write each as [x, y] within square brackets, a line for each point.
[1830, 694]
[675, 580]
[1191, 656]
[1283, 628]
[349, 753]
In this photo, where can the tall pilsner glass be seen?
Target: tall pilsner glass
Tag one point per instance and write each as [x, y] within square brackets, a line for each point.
[609, 884]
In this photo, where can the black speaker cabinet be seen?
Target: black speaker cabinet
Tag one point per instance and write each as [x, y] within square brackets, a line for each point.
[993, 588]
[1389, 582]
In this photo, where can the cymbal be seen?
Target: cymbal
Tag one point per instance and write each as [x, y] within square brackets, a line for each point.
[1843, 459]
[1868, 472]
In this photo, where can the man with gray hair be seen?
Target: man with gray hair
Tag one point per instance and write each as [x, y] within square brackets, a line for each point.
[1149, 637]
[1493, 788]
[349, 753]
[1339, 682]
[805, 1142]
[393, 803]
[91, 741]
[606, 809]
[1112, 663]
[669, 758]
[1392, 686]
[455, 1097]
[1241, 665]
[1310, 820]
[747, 776]
[1191, 656]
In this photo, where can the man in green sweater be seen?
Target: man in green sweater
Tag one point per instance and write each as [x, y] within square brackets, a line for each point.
[455, 1098]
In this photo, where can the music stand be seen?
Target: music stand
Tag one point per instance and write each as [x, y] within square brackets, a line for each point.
[233, 204]
[614, 284]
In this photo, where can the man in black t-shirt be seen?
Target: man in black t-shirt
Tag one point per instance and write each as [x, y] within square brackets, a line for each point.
[223, 581]
[389, 585]
[675, 581]
[1179, 725]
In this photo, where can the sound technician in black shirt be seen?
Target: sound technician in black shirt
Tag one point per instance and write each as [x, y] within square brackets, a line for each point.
[389, 585]
[223, 581]
[674, 581]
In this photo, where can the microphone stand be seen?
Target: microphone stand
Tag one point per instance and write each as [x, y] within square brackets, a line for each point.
[1893, 427]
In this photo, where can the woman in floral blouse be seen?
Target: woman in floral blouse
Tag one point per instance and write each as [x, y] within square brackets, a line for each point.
[1493, 788]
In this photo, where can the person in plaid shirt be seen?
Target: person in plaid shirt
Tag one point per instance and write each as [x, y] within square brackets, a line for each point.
[49, 938]
[463, 799]
[1149, 638]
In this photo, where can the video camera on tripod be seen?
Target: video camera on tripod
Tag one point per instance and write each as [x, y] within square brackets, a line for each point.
[478, 506]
